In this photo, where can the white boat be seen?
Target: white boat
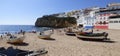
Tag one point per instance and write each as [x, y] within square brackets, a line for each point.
[16, 39]
[44, 36]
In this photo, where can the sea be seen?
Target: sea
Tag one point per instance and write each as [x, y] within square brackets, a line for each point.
[17, 28]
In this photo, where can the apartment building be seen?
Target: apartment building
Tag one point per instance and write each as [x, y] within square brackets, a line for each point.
[114, 22]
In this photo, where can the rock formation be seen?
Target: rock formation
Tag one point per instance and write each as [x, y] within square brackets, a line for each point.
[52, 21]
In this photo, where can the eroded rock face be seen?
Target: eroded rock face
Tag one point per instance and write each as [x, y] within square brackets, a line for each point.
[51, 21]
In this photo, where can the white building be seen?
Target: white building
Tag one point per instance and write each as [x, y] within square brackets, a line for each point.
[62, 15]
[80, 17]
[104, 14]
[112, 6]
[90, 17]
[114, 22]
[78, 14]
[95, 16]
[102, 20]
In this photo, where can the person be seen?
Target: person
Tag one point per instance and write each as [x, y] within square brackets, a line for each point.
[8, 34]
[33, 31]
[41, 33]
[92, 31]
[21, 31]
[69, 30]
[1, 35]
[81, 30]
[52, 30]
[11, 36]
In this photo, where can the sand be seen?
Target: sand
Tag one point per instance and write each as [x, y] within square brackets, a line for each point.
[63, 45]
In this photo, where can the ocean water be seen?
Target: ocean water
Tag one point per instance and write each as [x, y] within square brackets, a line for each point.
[17, 28]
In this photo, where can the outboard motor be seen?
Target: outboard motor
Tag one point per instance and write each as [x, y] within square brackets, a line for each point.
[105, 35]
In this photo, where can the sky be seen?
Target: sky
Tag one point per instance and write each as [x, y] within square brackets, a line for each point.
[26, 12]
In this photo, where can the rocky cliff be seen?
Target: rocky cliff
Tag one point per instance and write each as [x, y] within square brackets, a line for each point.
[51, 21]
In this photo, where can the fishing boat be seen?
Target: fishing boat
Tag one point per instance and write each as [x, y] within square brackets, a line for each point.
[95, 36]
[2, 49]
[36, 53]
[33, 53]
[44, 36]
[15, 39]
[70, 32]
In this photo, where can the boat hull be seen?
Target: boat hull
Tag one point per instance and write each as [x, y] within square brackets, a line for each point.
[44, 36]
[70, 33]
[17, 40]
[92, 38]
[96, 36]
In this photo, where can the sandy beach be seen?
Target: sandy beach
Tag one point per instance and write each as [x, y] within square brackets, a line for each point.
[63, 45]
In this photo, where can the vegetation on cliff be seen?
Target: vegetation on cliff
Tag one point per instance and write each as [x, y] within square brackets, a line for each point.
[52, 21]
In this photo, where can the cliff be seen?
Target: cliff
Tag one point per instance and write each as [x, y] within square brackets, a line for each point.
[51, 21]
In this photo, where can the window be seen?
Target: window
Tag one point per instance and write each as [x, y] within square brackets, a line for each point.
[104, 18]
[104, 22]
[113, 8]
[100, 22]
[111, 21]
[77, 16]
[115, 21]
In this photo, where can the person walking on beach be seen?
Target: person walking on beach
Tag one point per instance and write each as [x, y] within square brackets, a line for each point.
[1, 37]
[52, 31]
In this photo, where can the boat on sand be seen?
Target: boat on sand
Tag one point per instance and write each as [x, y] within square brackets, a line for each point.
[94, 36]
[33, 53]
[15, 39]
[70, 32]
[44, 36]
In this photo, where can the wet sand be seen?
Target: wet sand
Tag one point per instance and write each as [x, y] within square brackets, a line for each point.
[63, 45]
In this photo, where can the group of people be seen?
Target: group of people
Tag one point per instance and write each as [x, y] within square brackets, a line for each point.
[9, 34]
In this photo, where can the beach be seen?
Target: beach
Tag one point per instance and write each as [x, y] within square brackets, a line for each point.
[63, 45]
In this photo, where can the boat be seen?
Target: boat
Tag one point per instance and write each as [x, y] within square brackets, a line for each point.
[18, 39]
[44, 36]
[36, 53]
[2, 49]
[94, 36]
[70, 33]
[33, 53]
[11, 51]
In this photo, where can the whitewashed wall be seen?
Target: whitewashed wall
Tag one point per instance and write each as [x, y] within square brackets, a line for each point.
[114, 25]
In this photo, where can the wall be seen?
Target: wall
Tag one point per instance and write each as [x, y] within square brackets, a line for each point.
[113, 24]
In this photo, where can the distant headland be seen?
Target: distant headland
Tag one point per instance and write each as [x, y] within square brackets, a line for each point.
[56, 22]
